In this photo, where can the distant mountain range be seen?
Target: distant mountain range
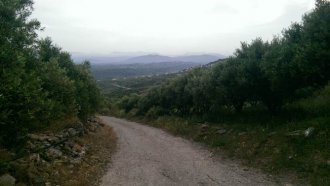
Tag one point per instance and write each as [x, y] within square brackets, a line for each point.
[151, 58]
[205, 58]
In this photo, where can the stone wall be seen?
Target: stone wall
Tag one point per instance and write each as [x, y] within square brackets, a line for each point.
[44, 151]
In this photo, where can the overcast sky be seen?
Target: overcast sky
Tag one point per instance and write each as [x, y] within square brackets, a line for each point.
[169, 27]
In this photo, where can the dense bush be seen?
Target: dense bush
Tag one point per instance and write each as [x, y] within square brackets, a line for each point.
[39, 83]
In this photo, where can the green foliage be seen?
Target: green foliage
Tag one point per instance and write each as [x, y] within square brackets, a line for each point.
[87, 93]
[39, 84]
[60, 89]
[267, 74]
[23, 104]
[316, 105]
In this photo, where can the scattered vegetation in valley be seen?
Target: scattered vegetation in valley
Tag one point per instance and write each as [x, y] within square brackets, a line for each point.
[110, 71]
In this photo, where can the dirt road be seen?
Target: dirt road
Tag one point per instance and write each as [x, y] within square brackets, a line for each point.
[148, 156]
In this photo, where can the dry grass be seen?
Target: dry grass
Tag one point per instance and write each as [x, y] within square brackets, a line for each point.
[101, 146]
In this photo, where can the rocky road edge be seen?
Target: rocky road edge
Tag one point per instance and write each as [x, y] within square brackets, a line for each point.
[75, 156]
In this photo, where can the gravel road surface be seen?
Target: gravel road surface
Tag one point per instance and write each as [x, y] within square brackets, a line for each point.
[148, 156]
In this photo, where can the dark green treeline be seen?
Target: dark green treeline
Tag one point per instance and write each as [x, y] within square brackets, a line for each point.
[39, 83]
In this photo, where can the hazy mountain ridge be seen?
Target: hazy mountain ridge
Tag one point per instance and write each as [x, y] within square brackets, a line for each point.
[150, 58]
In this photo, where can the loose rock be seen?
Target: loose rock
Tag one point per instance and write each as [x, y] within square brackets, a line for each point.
[204, 127]
[241, 133]
[271, 134]
[53, 153]
[35, 158]
[72, 132]
[7, 180]
[308, 132]
[221, 131]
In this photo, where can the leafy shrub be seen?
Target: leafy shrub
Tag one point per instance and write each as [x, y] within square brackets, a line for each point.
[39, 84]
